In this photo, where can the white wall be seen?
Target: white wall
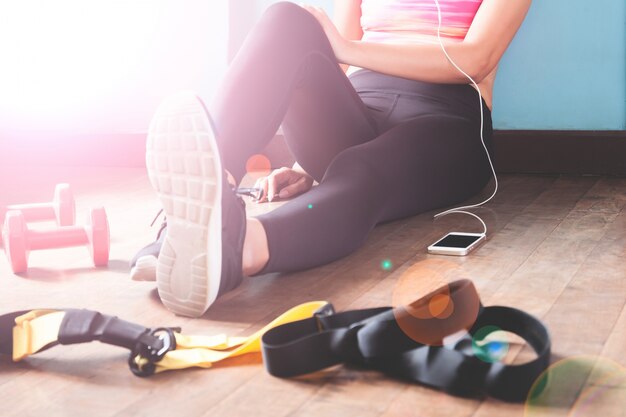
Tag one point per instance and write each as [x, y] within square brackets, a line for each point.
[104, 65]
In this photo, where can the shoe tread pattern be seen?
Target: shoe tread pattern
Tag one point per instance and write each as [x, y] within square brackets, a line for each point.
[184, 171]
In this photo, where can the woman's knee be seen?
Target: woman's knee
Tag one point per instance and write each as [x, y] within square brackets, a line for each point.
[359, 177]
[287, 14]
[284, 10]
[352, 162]
[292, 24]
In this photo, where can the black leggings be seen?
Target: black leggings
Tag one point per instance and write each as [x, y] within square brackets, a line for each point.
[381, 147]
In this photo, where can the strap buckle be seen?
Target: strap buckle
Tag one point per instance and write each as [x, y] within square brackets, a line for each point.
[324, 311]
[25, 341]
[150, 349]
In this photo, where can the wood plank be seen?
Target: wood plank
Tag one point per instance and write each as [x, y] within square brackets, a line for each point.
[580, 317]
[557, 243]
[431, 271]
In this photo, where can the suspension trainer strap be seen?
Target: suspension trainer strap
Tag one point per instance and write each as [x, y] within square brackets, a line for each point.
[408, 343]
[25, 333]
[440, 340]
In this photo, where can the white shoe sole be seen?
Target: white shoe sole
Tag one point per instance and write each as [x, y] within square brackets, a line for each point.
[185, 170]
[144, 269]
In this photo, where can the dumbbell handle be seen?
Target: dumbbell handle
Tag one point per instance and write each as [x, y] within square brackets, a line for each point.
[34, 212]
[61, 208]
[60, 238]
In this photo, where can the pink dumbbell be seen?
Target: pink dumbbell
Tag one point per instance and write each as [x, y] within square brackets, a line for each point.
[62, 208]
[19, 240]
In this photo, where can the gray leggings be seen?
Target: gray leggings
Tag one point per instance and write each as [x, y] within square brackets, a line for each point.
[381, 147]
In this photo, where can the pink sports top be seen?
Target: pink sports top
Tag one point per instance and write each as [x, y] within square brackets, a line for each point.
[401, 21]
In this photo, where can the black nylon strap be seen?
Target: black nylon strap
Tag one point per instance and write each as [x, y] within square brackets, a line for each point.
[373, 338]
[300, 347]
[512, 383]
[81, 326]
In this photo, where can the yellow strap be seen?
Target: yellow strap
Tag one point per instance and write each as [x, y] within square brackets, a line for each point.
[35, 330]
[38, 328]
[190, 353]
[217, 342]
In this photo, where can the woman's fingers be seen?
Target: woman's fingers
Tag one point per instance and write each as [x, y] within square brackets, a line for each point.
[283, 183]
[271, 186]
[300, 186]
[278, 179]
[318, 13]
[262, 184]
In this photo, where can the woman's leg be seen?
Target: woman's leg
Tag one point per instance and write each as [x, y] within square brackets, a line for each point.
[422, 164]
[286, 70]
[285, 64]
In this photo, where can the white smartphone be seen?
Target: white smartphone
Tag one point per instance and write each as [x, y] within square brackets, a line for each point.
[457, 243]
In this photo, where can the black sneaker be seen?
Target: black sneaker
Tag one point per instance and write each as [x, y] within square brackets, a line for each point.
[200, 258]
[143, 264]
[152, 249]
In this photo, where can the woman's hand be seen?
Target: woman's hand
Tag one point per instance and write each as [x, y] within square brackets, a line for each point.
[283, 183]
[337, 42]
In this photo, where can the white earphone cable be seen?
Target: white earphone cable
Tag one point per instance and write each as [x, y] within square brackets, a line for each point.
[482, 139]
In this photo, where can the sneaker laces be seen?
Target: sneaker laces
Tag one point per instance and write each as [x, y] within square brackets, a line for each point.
[255, 193]
[163, 223]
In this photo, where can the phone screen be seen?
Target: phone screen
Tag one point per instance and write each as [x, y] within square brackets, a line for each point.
[456, 241]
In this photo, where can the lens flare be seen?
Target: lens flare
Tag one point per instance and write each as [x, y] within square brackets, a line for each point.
[386, 264]
[258, 166]
[438, 315]
[579, 386]
[102, 66]
[489, 349]
[419, 279]
[441, 306]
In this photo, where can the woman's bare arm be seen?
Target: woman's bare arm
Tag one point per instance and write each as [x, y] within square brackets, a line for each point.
[492, 30]
[347, 19]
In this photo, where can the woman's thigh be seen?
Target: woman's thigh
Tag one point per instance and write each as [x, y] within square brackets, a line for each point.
[286, 72]
[325, 116]
[425, 163]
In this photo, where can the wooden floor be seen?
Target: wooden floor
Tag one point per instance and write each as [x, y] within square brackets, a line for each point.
[556, 248]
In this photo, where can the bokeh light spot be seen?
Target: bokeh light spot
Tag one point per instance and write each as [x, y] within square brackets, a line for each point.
[258, 166]
[386, 264]
[441, 306]
[487, 348]
[310, 206]
[431, 319]
[419, 279]
[579, 386]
